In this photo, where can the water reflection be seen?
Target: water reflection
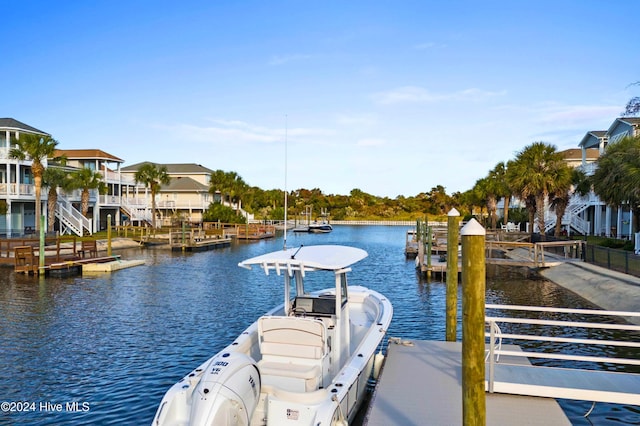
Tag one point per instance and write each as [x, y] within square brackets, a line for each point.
[119, 341]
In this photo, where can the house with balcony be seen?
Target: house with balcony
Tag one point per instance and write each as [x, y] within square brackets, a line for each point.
[186, 197]
[17, 194]
[603, 219]
[100, 205]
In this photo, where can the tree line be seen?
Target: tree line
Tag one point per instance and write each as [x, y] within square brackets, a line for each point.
[538, 176]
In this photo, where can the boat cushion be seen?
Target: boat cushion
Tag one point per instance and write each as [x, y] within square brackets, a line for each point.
[268, 368]
[291, 350]
[301, 331]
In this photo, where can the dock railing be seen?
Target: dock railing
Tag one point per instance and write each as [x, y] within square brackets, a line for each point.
[606, 383]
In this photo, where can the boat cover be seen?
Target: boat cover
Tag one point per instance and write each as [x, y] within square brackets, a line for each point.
[320, 257]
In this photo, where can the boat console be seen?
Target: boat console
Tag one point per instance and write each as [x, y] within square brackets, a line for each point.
[315, 306]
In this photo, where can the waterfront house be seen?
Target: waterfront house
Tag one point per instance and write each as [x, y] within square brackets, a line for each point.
[100, 205]
[185, 198]
[603, 219]
[17, 195]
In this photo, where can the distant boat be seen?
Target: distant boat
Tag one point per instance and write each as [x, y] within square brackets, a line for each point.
[320, 228]
[302, 228]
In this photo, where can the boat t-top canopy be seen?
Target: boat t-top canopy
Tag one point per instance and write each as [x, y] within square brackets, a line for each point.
[307, 258]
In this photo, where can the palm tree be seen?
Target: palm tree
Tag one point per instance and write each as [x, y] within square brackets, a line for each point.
[153, 177]
[36, 148]
[228, 183]
[617, 178]
[537, 172]
[54, 177]
[560, 197]
[505, 191]
[86, 179]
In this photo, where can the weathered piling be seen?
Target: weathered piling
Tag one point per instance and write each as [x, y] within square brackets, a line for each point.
[41, 247]
[473, 293]
[453, 220]
[108, 235]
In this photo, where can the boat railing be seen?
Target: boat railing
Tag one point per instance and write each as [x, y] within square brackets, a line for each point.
[566, 351]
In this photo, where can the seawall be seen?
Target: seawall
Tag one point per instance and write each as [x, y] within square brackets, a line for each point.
[610, 290]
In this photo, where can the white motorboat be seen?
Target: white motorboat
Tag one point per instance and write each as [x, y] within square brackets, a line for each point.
[305, 362]
[320, 228]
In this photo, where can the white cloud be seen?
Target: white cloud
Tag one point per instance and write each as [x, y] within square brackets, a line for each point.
[283, 59]
[414, 94]
[356, 120]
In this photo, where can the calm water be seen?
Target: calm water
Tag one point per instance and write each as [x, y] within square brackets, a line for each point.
[114, 343]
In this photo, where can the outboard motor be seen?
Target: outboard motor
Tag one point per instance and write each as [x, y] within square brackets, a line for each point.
[228, 391]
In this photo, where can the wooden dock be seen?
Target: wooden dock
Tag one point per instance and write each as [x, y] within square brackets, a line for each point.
[421, 383]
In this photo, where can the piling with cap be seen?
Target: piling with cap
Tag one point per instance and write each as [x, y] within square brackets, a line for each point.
[473, 306]
[453, 219]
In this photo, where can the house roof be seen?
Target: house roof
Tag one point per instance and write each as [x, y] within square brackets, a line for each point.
[592, 138]
[179, 168]
[184, 184]
[629, 121]
[11, 123]
[87, 154]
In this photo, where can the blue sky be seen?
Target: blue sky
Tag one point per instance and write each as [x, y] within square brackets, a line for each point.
[392, 98]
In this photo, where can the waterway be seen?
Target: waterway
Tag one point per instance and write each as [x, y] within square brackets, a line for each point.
[103, 349]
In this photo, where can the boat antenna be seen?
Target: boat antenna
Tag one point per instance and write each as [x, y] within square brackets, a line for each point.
[285, 182]
[293, 256]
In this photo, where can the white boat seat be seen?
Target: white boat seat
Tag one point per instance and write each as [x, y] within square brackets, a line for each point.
[291, 330]
[289, 370]
[293, 351]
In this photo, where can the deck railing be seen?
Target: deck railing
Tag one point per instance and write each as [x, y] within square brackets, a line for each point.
[552, 334]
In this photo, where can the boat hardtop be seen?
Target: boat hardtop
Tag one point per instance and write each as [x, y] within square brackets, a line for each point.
[318, 257]
[306, 362]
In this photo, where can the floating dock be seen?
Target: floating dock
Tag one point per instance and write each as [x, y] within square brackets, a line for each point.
[111, 266]
[201, 245]
[421, 383]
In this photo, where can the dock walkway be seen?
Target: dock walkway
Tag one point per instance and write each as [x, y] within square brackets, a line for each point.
[422, 384]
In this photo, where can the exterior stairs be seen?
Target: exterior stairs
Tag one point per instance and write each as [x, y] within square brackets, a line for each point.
[577, 205]
[71, 219]
[137, 211]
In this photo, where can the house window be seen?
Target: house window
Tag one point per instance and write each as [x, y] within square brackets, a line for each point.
[27, 178]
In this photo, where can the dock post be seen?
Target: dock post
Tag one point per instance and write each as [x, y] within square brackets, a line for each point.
[420, 239]
[184, 229]
[453, 218]
[429, 246]
[473, 305]
[108, 235]
[41, 253]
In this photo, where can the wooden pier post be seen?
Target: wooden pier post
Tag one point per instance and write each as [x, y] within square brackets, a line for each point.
[41, 253]
[473, 305]
[108, 235]
[428, 250]
[453, 219]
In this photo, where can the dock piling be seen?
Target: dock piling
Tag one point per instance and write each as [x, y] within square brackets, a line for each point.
[453, 219]
[473, 306]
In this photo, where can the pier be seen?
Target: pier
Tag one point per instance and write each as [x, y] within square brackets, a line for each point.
[422, 379]
[421, 383]
[509, 253]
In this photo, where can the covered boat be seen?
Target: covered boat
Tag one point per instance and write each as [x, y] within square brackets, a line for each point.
[305, 362]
